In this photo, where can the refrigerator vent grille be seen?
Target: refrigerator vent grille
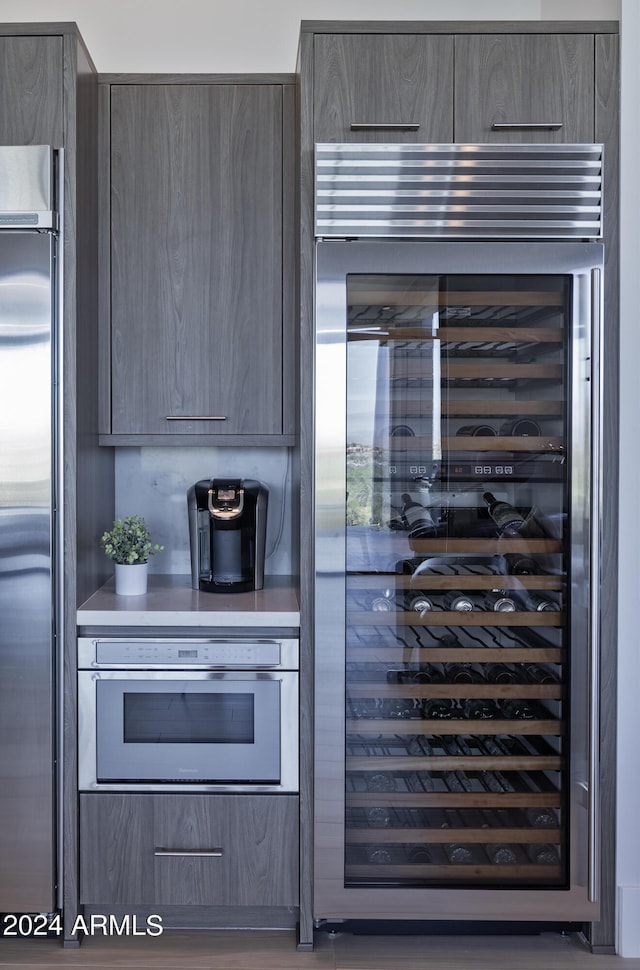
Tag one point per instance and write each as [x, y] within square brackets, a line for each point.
[458, 191]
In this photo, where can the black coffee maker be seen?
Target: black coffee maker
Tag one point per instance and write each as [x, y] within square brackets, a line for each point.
[227, 531]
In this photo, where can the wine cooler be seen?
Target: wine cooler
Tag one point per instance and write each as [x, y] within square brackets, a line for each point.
[457, 535]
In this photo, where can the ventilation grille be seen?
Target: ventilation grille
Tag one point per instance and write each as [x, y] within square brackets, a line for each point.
[459, 191]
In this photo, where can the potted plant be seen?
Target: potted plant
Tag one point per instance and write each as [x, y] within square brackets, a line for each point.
[128, 545]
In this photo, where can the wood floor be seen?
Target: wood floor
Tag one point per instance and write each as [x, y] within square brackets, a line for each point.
[259, 950]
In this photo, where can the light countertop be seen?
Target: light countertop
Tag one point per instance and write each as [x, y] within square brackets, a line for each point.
[171, 601]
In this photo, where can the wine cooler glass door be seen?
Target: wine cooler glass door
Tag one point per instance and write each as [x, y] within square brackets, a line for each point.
[456, 547]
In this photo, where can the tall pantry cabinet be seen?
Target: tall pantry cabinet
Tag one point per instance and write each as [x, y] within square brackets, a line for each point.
[48, 95]
[430, 83]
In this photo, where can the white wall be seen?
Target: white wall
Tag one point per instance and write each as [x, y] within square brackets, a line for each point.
[219, 36]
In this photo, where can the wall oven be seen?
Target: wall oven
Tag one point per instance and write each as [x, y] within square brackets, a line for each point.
[188, 714]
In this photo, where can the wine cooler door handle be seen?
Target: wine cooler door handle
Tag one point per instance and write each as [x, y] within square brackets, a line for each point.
[594, 585]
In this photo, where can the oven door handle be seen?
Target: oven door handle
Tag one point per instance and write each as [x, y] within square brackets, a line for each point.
[192, 853]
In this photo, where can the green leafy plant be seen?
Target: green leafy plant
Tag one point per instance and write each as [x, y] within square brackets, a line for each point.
[128, 542]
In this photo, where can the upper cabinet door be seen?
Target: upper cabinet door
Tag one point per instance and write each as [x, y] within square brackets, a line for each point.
[196, 260]
[540, 86]
[31, 91]
[399, 86]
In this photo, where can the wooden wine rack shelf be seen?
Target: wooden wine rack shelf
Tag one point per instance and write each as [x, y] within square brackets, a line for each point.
[458, 691]
[452, 873]
[444, 762]
[359, 836]
[508, 443]
[462, 334]
[451, 726]
[453, 618]
[491, 298]
[460, 547]
[473, 409]
[451, 370]
[432, 581]
[453, 799]
[399, 654]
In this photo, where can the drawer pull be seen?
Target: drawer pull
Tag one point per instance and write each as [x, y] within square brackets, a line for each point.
[518, 125]
[189, 853]
[196, 417]
[385, 126]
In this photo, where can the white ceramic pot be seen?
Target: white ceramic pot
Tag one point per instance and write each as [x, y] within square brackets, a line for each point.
[131, 580]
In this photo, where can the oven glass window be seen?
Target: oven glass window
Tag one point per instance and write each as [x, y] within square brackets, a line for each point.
[196, 718]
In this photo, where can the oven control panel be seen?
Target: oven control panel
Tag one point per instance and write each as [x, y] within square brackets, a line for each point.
[226, 653]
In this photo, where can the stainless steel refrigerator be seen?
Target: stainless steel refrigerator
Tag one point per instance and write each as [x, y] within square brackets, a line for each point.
[457, 517]
[29, 492]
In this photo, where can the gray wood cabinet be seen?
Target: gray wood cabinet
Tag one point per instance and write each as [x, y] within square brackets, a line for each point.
[31, 70]
[200, 339]
[540, 86]
[191, 850]
[393, 87]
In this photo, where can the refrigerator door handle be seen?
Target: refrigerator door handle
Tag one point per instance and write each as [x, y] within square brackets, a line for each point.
[594, 585]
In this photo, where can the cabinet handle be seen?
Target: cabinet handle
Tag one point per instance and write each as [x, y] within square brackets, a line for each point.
[384, 126]
[190, 853]
[195, 417]
[517, 125]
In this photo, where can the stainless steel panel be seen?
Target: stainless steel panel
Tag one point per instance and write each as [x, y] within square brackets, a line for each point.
[334, 261]
[26, 187]
[26, 575]
[458, 191]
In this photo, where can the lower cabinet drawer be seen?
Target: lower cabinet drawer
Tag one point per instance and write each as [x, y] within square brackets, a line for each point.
[211, 850]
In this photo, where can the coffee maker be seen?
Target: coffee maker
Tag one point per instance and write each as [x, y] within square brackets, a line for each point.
[227, 532]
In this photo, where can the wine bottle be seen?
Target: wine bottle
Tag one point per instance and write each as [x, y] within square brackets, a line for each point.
[438, 708]
[427, 674]
[377, 855]
[458, 854]
[501, 854]
[462, 673]
[499, 602]
[521, 427]
[541, 818]
[539, 604]
[458, 602]
[418, 854]
[541, 674]
[378, 602]
[418, 602]
[378, 817]
[543, 853]
[517, 710]
[474, 430]
[499, 673]
[520, 565]
[479, 709]
[417, 517]
[401, 707]
[505, 516]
